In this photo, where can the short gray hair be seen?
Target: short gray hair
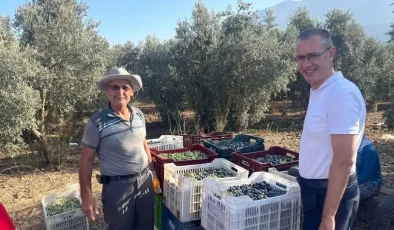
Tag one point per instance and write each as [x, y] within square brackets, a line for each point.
[323, 33]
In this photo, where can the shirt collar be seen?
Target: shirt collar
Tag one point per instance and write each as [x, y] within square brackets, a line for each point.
[111, 113]
[337, 75]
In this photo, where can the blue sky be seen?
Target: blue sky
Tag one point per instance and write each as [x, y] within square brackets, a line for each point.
[123, 20]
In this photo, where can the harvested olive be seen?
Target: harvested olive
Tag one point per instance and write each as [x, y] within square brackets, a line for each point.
[274, 159]
[256, 191]
[184, 156]
[62, 205]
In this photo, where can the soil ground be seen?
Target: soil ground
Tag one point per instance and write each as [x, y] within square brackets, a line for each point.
[22, 188]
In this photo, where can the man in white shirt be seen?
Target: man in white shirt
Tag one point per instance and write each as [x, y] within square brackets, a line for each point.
[333, 129]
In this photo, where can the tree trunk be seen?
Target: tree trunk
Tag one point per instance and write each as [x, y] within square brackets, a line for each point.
[42, 112]
[374, 106]
[44, 146]
[221, 120]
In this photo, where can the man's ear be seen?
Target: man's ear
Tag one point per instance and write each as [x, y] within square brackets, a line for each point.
[332, 52]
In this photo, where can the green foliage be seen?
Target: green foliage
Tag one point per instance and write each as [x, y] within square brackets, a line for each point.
[19, 102]
[52, 72]
[232, 64]
[69, 49]
[225, 66]
[391, 32]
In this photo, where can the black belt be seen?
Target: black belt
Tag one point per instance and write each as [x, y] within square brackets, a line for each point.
[320, 183]
[109, 179]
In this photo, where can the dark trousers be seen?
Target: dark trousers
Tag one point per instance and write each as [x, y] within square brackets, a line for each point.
[313, 196]
[129, 204]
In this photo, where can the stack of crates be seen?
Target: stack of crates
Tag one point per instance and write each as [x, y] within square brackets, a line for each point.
[223, 149]
[182, 195]
[72, 219]
[248, 161]
[158, 211]
[189, 139]
[159, 161]
[166, 142]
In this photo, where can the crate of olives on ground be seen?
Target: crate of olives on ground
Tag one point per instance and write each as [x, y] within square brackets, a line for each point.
[280, 158]
[182, 190]
[263, 201]
[189, 139]
[165, 142]
[194, 154]
[242, 143]
[63, 211]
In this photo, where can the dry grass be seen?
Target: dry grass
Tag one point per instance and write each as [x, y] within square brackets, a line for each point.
[21, 192]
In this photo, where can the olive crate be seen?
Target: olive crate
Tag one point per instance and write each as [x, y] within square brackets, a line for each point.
[248, 160]
[189, 139]
[71, 220]
[170, 222]
[222, 211]
[183, 195]
[258, 145]
[158, 211]
[159, 162]
[165, 142]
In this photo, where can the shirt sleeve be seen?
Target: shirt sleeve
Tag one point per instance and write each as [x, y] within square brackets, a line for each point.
[343, 113]
[91, 136]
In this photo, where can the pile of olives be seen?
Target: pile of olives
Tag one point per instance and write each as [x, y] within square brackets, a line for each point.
[235, 145]
[256, 191]
[274, 159]
[208, 173]
[184, 156]
[62, 205]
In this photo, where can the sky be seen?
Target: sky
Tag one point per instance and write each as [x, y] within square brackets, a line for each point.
[133, 20]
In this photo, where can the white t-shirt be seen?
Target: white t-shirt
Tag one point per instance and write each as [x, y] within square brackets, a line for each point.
[336, 107]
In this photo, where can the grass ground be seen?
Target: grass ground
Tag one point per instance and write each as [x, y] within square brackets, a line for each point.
[22, 191]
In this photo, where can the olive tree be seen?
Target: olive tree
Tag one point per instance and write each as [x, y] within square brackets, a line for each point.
[231, 64]
[72, 54]
[19, 101]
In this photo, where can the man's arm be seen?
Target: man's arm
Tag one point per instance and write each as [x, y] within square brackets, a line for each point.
[344, 156]
[146, 147]
[344, 123]
[89, 206]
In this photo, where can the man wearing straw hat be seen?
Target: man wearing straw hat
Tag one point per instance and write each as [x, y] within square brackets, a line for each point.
[117, 134]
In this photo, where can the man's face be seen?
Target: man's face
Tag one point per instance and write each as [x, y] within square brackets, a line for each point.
[119, 92]
[314, 60]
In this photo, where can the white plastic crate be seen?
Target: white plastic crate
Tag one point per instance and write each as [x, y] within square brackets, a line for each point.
[71, 220]
[166, 142]
[224, 212]
[183, 196]
[283, 174]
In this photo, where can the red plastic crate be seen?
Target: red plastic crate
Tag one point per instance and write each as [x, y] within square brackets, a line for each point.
[197, 139]
[158, 162]
[248, 161]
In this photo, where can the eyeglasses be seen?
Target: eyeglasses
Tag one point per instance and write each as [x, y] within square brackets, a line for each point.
[310, 57]
[117, 87]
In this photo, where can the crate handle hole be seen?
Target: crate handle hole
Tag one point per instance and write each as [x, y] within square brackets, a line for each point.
[281, 185]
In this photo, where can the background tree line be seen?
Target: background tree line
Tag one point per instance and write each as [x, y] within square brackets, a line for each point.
[225, 66]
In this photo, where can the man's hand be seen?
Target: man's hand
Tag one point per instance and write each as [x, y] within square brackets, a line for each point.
[89, 207]
[327, 223]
